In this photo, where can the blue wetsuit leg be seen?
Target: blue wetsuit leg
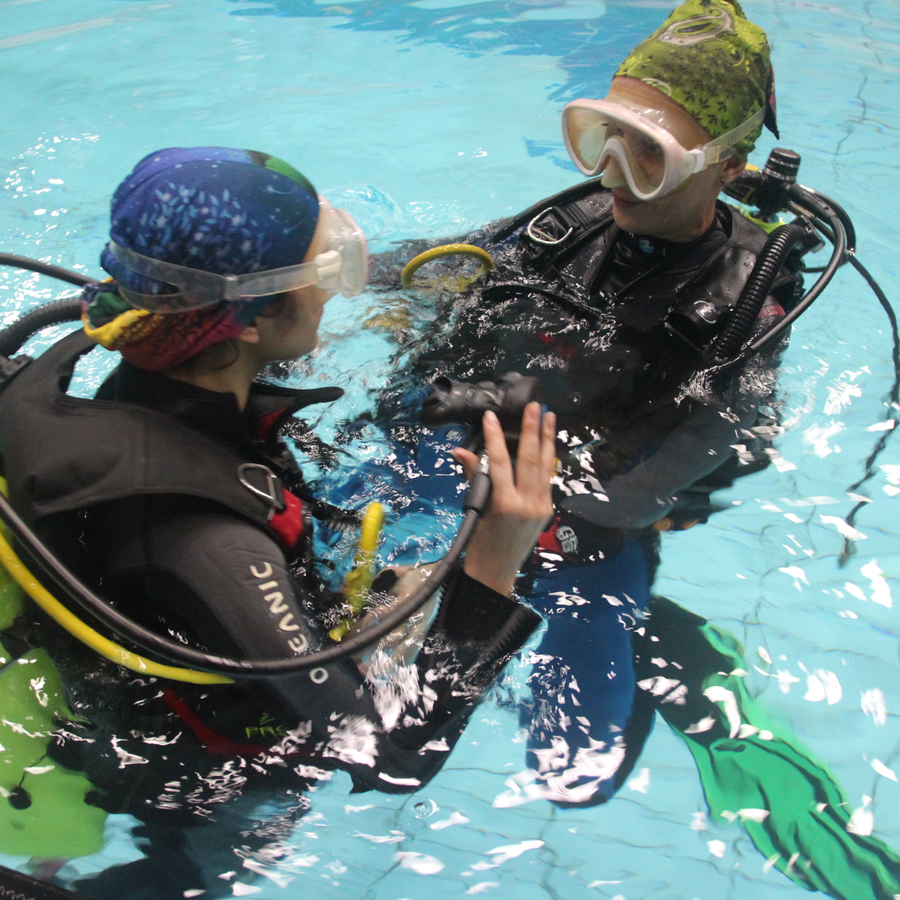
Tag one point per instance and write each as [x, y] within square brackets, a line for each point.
[583, 679]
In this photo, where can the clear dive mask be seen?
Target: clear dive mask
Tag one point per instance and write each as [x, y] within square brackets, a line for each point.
[652, 161]
[343, 266]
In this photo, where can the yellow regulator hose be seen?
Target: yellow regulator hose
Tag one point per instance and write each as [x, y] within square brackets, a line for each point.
[446, 250]
[84, 633]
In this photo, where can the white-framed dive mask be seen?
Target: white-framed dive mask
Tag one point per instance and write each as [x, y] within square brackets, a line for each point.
[652, 161]
[342, 266]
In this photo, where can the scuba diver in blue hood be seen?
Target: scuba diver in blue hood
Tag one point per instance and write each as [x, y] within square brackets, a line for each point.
[171, 494]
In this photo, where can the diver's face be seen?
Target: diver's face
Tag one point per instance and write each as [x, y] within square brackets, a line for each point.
[686, 212]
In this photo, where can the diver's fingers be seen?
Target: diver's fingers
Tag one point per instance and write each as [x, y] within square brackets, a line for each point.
[544, 464]
[548, 445]
[498, 456]
[467, 459]
[536, 460]
[529, 459]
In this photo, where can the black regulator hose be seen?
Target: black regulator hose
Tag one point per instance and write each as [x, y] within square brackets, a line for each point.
[42, 268]
[892, 402]
[828, 222]
[66, 310]
[816, 211]
[779, 245]
[830, 206]
[172, 651]
[14, 335]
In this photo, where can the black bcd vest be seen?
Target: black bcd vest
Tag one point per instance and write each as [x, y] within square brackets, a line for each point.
[62, 454]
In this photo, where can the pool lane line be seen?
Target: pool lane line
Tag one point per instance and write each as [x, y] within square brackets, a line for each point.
[57, 31]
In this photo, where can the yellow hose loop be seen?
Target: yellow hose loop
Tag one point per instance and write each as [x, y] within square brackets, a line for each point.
[84, 633]
[446, 250]
[359, 581]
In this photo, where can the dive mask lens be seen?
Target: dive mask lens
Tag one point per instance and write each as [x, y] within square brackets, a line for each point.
[651, 159]
[344, 264]
[585, 131]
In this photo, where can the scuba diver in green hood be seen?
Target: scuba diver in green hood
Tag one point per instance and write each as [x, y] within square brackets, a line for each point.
[654, 316]
[618, 294]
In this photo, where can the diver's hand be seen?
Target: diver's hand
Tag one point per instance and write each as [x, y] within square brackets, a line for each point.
[520, 504]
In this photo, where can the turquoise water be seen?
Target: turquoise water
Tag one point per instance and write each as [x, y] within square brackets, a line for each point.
[429, 118]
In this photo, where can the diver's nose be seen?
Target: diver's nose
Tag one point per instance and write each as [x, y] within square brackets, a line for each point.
[613, 176]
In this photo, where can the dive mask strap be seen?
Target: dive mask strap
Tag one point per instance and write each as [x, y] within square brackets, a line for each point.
[716, 149]
[197, 289]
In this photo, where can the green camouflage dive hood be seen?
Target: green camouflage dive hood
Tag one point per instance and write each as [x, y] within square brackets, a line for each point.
[713, 62]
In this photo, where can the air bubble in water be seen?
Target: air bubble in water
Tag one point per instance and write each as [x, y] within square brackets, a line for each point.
[425, 808]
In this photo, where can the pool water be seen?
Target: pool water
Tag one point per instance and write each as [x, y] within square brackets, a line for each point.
[431, 117]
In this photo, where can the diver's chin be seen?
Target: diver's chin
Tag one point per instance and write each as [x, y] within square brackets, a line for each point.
[627, 213]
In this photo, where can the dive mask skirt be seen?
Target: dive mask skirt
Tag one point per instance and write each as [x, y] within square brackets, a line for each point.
[653, 162]
[343, 266]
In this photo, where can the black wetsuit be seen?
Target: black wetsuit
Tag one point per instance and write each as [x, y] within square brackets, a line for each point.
[588, 317]
[140, 493]
[584, 306]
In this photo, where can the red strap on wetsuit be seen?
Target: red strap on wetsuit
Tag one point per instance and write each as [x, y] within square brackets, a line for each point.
[288, 524]
[213, 741]
[547, 540]
[559, 538]
[266, 424]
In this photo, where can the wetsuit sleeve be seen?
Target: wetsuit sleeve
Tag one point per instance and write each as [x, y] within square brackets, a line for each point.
[648, 485]
[651, 466]
[210, 574]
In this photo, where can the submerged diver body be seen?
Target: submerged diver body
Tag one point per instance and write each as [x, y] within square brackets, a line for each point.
[590, 292]
[171, 493]
[617, 294]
